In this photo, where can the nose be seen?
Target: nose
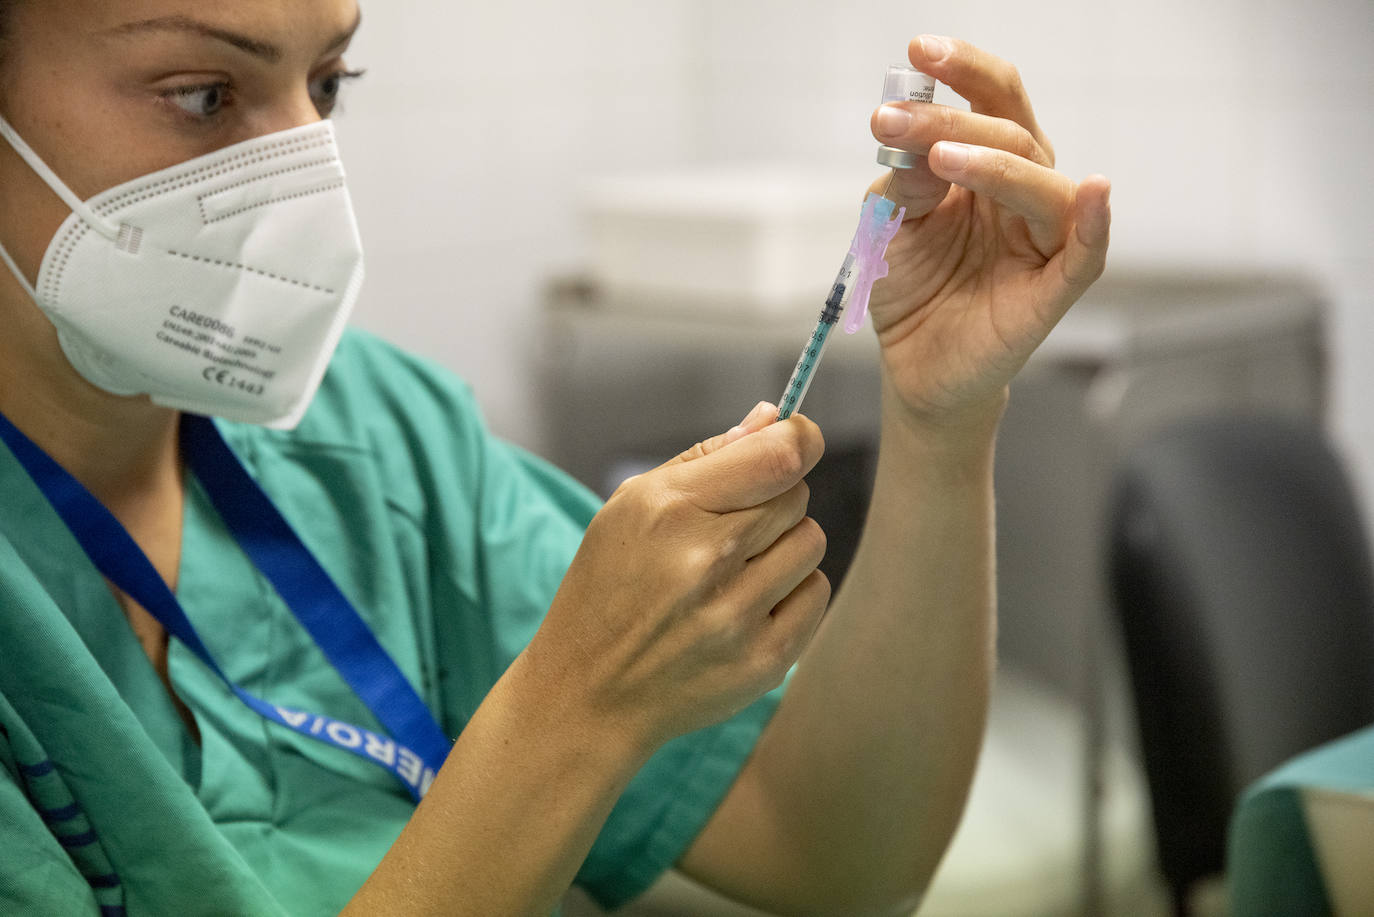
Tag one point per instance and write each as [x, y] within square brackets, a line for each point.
[293, 109]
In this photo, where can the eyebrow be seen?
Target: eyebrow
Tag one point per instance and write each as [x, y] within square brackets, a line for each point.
[261, 49]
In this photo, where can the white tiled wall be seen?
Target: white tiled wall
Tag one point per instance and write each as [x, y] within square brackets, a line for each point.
[1237, 132]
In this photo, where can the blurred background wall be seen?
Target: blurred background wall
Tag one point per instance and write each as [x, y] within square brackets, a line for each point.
[1237, 133]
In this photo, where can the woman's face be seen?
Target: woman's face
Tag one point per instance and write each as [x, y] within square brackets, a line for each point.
[108, 90]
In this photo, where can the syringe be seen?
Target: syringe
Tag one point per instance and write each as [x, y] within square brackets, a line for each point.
[811, 354]
[864, 264]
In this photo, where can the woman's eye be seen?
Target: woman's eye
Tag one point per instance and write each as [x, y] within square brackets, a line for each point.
[325, 90]
[200, 101]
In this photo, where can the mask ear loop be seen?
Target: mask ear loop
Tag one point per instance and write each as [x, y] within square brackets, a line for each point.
[18, 274]
[77, 206]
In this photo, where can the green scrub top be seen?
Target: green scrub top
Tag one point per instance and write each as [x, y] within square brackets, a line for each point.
[450, 543]
[1271, 864]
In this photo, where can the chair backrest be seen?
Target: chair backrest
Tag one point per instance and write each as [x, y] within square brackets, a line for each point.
[1242, 578]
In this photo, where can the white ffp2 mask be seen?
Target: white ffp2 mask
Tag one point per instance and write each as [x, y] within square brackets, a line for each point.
[218, 286]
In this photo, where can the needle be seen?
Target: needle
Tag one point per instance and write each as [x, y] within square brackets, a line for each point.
[890, 179]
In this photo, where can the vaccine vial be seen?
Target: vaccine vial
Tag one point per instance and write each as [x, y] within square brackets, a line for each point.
[904, 84]
[907, 84]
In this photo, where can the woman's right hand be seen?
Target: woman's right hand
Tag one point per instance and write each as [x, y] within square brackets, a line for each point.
[694, 590]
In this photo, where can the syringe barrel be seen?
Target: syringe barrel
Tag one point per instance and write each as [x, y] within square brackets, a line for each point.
[839, 292]
[907, 84]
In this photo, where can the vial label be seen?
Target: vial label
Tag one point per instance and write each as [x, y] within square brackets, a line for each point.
[907, 84]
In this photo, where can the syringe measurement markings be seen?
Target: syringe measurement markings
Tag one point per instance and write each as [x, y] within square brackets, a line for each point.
[815, 345]
[806, 366]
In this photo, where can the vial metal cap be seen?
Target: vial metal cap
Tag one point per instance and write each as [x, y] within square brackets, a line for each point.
[894, 158]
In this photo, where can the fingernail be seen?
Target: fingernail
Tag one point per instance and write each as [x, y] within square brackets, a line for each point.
[893, 121]
[762, 411]
[935, 47]
[746, 426]
[953, 156]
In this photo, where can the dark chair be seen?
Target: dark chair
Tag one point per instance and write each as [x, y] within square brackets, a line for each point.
[1242, 578]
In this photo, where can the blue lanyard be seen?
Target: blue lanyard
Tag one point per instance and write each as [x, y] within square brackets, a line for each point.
[417, 745]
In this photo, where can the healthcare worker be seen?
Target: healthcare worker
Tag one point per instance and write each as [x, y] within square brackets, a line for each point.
[234, 653]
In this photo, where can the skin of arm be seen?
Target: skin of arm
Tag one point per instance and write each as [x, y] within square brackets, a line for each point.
[857, 784]
[522, 785]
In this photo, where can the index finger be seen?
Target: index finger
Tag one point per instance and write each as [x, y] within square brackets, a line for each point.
[752, 470]
[991, 85]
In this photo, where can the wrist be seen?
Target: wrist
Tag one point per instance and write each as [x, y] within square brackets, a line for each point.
[549, 700]
[956, 440]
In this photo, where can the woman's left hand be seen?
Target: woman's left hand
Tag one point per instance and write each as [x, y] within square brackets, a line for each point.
[995, 247]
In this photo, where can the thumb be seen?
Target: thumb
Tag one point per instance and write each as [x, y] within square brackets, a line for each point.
[761, 416]
[1084, 255]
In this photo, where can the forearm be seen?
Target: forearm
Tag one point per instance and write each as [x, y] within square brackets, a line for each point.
[904, 726]
[510, 816]
[863, 772]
